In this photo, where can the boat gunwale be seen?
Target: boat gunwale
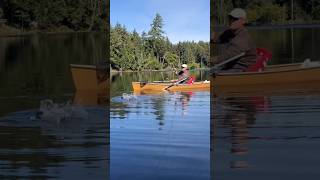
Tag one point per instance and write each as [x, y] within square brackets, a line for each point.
[269, 71]
[91, 67]
[166, 84]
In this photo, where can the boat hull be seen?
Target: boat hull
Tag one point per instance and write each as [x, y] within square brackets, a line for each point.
[88, 78]
[268, 77]
[277, 78]
[156, 87]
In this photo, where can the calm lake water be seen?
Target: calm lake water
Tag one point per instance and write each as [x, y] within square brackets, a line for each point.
[265, 137]
[42, 135]
[157, 136]
[268, 135]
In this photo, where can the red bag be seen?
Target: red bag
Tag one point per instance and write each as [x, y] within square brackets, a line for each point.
[263, 56]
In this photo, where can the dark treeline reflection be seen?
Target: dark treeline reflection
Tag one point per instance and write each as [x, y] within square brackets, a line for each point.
[39, 65]
[47, 130]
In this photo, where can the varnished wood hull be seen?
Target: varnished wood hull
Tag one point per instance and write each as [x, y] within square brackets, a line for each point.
[273, 75]
[275, 79]
[156, 87]
[86, 78]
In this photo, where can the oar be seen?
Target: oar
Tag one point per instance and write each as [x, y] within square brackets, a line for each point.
[175, 83]
[217, 67]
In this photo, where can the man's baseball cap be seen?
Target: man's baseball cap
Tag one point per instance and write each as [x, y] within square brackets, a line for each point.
[238, 13]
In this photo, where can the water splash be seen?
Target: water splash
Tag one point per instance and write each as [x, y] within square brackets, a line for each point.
[129, 97]
[126, 98]
[57, 112]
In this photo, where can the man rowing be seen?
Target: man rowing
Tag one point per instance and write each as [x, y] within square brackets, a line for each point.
[183, 74]
[234, 41]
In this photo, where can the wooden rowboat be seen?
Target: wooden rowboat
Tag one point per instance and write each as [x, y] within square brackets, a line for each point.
[89, 77]
[275, 79]
[158, 86]
[285, 76]
[273, 75]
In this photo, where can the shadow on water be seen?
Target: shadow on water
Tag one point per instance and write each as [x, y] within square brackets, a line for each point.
[47, 129]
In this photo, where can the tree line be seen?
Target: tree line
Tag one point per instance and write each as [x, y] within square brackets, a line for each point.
[153, 50]
[55, 15]
[271, 11]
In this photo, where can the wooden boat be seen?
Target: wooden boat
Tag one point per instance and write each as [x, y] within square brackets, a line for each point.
[89, 77]
[275, 79]
[161, 86]
[285, 76]
[273, 75]
[91, 98]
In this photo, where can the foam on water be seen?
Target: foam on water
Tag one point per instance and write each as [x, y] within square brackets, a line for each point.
[50, 111]
[125, 98]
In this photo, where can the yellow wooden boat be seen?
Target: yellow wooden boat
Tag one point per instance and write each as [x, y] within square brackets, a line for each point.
[91, 98]
[161, 86]
[89, 77]
[272, 75]
[284, 76]
[275, 79]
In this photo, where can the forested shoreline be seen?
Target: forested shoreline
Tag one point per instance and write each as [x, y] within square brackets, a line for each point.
[152, 50]
[273, 12]
[23, 16]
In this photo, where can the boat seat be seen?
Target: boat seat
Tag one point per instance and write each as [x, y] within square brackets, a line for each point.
[263, 56]
[191, 80]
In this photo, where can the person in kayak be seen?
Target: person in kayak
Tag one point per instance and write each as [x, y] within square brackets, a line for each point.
[234, 41]
[183, 74]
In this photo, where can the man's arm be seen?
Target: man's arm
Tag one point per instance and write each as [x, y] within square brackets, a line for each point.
[237, 46]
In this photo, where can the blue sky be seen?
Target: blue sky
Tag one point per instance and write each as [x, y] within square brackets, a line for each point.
[183, 19]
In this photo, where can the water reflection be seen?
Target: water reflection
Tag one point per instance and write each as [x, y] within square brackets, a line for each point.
[68, 136]
[158, 136]
[258, 136]
[32, 147]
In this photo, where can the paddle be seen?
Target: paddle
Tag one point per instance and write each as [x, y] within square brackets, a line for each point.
[217, 67]
[175, 83]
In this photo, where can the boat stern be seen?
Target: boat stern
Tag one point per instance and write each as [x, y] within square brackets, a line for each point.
[137, 86]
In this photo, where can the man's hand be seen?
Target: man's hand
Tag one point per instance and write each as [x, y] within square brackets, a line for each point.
[213, 70]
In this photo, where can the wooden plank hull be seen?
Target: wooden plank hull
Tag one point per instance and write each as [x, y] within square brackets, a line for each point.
[156, 87]
[91, 98]
[275, 79]
[285, 75]
[86, 78]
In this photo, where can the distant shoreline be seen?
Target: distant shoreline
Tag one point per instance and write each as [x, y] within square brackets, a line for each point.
[8, 32]
[163, 70]
[274, 26]
[42, 33]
